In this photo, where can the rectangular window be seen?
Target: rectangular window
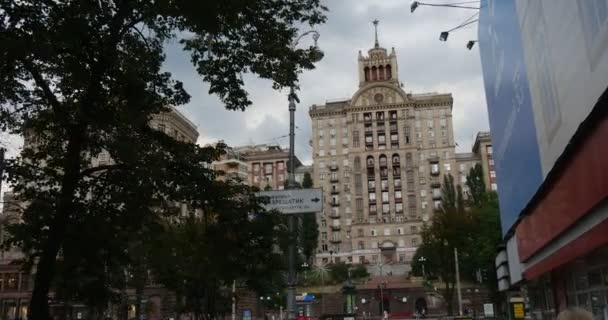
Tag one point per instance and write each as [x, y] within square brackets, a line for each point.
[398, 195]
[422, 193]
[463, 167]
[332, 141]
[386, 209]
[489, 149]
[399, 207]
[417, 124]
[463, 179]
[414, 242]
[434, 168]
[323, 235]
[359, 205]
[371, 185]
[421, 169]
[446, 155]
[372, 197]
[429, 124]
[355, 139]
[381, 139]
[423, 205]
[414, 229]
[421, 156]
[447, 167]
[431, 134]
[320, 134]
[492, 174]
[494, 186]
[387, 231]
[397, 183]
[491, 161]
[384, 196]
[384, 184]
[443, 123]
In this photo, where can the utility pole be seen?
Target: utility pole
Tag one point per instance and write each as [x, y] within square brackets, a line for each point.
[458, 282]
[1, 169]
[291, 184]
[233, 299]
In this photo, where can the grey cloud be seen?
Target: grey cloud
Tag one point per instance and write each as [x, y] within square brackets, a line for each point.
[425, 64]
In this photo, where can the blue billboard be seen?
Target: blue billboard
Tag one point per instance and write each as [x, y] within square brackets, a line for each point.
[514, 140]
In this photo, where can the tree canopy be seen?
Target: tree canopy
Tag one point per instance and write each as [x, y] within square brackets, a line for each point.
[84, 77]
[472, 226]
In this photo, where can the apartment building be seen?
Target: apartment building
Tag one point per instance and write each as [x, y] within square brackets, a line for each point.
[380, 158]
[267, 165]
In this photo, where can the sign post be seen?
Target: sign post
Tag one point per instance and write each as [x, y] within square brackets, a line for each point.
[293, 201]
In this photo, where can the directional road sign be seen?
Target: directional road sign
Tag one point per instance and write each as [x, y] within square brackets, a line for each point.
[293, 201]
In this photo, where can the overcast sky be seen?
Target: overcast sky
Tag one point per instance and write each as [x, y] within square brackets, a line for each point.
[425, 65]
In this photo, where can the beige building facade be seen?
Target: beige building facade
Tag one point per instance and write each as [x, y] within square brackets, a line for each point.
[380, 158]
[267, 165]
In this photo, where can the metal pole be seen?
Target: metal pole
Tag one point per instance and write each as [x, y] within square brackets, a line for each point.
[381, 300]
[291, 249]
[1, 169]
[458, 282]
[233, 299]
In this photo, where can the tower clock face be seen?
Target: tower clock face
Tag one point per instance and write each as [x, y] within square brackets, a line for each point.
[378, 97]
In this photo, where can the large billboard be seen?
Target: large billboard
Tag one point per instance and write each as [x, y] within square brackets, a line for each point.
[516, 152]
[565, 49]
[545, 64]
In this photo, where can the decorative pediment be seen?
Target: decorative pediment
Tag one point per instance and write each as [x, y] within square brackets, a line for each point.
[378, 94]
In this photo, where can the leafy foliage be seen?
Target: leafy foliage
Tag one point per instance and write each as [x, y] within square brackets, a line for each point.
[82, 77]
[473, 227]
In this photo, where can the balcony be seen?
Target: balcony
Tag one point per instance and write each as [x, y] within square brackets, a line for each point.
[334, 178]
[393, 128]
[333, 167]
[398, 200]
[335, 240]
[335, 203]
[335, 227]
[380, 127]
[335, 191]
[436, 195]
[398, 187]
[335, 215]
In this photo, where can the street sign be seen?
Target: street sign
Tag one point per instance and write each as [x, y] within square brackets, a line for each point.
[293, 201]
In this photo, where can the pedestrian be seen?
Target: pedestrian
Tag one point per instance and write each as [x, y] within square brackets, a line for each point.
[575, 314]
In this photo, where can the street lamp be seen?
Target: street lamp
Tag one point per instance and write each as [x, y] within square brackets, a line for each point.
[291, 182]
[443, 36]
[471, 43]
[422, 260]
[416, 4]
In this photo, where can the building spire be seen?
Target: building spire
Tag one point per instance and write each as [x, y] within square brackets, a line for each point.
[375, 22]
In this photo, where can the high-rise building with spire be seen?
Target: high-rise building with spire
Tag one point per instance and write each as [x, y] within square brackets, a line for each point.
[380, 157]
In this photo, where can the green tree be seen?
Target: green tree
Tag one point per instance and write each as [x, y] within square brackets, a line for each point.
[477, 186]
[449, 229]
[310, 228]
[201, 255]
[87, 76]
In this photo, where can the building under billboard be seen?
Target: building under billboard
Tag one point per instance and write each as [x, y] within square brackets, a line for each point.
[545, 67]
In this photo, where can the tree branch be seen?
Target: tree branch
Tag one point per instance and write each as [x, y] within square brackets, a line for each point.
[91, 171]
[41, 82]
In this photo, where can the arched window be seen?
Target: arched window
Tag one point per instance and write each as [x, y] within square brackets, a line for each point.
[382, 160]
[366, 70]
[374, 74]
[357, 163]
[389, 74]
[381, 73]
[395, 159]
[370, 161]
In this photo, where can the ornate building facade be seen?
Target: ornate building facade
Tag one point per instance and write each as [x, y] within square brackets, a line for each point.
[380, 158]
